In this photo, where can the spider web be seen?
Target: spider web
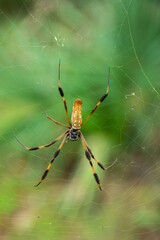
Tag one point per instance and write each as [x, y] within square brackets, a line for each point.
[88, 37]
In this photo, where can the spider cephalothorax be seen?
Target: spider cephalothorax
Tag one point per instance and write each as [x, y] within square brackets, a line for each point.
[73, 132]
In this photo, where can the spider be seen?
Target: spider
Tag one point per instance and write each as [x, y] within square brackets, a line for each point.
[73, 132]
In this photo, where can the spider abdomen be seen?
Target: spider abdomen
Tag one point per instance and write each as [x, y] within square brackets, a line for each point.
[76, 118]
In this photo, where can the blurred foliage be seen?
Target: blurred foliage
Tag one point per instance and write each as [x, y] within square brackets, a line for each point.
[88, 36]
[11, 8]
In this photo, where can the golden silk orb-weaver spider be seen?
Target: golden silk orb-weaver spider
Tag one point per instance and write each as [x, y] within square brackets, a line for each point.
[73, 132]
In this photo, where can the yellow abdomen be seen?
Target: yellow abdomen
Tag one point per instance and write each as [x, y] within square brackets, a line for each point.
[76, 118]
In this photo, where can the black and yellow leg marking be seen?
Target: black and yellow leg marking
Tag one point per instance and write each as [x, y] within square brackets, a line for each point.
[53, 119]
[101, 100]
[36, 148]
[89, 159]
[62, 93]
[54, 156]
[99, 164]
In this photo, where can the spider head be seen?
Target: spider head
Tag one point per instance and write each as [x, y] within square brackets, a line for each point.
[74, 133]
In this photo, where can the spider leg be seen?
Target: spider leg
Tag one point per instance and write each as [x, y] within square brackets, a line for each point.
[101, 100]
[99, 164]
[53, 119]
[62, 94]
[35, 148]
[54, 156]
[89, 159]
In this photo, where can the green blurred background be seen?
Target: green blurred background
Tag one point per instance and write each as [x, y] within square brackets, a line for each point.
[88, 36]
